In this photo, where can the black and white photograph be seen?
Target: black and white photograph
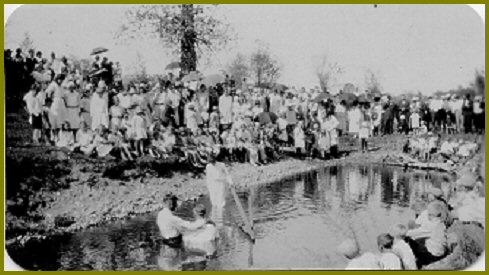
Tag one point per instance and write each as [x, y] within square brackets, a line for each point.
[244, 137]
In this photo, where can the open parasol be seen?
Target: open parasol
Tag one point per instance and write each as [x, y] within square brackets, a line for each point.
[97, 72]
[99, 50]
[173, 65]
[212, 80]
[39, 77]
[348, 97]
[322, 97]
[363, 99]
[192, 76]
[279, 87]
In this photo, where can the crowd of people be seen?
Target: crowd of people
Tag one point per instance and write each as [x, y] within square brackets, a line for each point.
[424, 240]
[95, 114]
[22, 70]
[431, 148]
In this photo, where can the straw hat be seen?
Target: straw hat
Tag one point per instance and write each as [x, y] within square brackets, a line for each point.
[467, 179]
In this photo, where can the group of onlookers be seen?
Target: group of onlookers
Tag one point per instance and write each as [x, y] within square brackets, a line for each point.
[425, 240]
[23, 69]
[430, 148]
[94, 113]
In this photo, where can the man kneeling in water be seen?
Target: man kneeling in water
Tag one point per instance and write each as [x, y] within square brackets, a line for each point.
[203, 239]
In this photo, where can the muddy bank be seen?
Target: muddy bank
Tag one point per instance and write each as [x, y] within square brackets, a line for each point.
[61, 192]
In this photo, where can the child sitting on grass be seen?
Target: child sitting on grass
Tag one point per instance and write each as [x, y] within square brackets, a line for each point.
[66, 138]
[121, 148]
[84, 138]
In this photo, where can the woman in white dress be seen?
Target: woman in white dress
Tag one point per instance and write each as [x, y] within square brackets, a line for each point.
[58, 106]
[354, 119]
[299, 139]
[99, 109]
[140, 130]
[331, 125]
[116, 114]
[217, 180]
[72, 99]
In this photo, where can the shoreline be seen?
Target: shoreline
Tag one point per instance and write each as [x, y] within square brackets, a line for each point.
[87, 205]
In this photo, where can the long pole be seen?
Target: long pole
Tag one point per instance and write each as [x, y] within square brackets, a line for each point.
[250, 206]
[242, 213]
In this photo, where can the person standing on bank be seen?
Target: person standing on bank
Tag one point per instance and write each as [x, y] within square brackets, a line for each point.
[34, 108]
[99, 107]
[72, 100]
[226, 110]
[217, 179]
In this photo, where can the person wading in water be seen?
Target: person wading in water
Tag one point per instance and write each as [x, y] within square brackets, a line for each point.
[217, 180]
[171, 229]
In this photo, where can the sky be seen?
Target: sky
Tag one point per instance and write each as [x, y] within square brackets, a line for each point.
[422, 48]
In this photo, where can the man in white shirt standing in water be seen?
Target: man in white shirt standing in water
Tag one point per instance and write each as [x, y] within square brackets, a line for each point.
[171, 227]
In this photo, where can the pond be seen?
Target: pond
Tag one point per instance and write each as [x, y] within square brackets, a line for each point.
[298, 223]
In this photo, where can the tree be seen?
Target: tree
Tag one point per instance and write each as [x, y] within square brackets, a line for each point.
[27, 43]
[238, 69]
[265, 68]
[372, 82]
[480, 81]
[140, 68]
[327, 72]
[185, 29]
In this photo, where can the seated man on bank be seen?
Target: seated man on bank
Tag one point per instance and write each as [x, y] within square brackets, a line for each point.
[469, 201]
[447, 148]
[430, 245]
[172, 227]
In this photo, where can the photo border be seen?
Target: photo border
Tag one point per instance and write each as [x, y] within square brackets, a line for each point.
[2, 105]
